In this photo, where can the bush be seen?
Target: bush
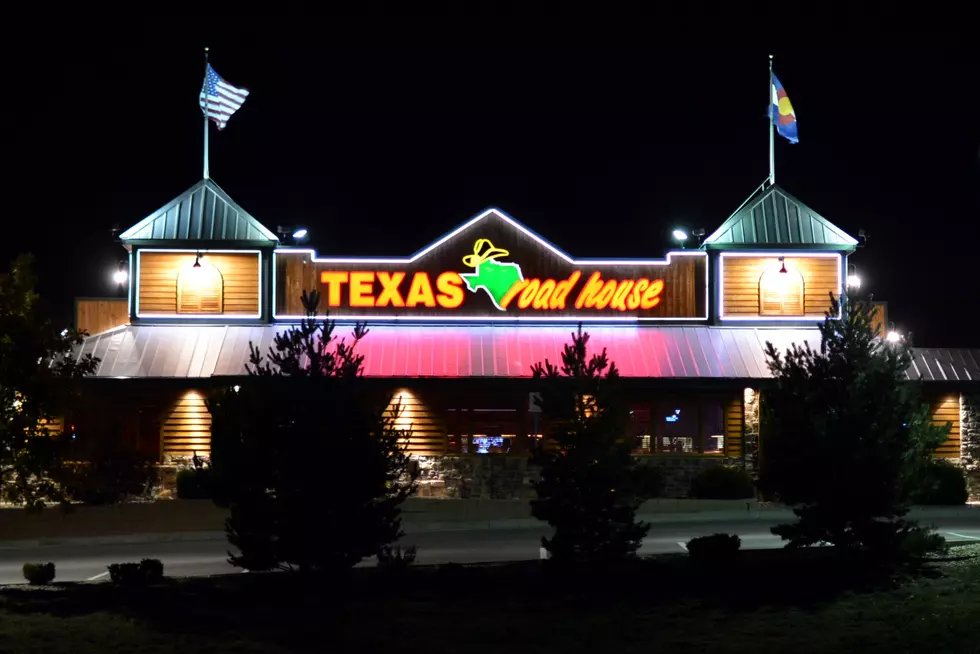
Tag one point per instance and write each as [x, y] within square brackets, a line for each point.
[152, 570]
[109, 478]
[393, 557]
[942, 483]
[39, 574]
[194, 484]
[717, 548]
[722, 483]
[147, 571]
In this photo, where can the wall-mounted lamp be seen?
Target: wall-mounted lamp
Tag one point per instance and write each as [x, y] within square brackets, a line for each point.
[892, 335]
[197, 261]
[288, 233]
[853, 280]
[120, 276]
[782, 266]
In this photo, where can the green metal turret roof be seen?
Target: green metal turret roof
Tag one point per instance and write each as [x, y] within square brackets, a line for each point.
[203, 212]
[772, 218]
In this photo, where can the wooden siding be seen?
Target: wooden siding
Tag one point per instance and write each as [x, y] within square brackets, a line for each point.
[734, 427]
[683, 279]
[187, 427]
[427, 428]
[742, 276]
[96, 315]
[879, 319]
[159, 271]
[942, 410]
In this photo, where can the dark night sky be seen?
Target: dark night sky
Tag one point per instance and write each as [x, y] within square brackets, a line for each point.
[380, 140]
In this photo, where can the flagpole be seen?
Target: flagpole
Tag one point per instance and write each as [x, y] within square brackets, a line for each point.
[772, 124]
[207, 107]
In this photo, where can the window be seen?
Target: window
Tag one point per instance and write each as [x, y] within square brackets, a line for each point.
[482, 431]
[781, 291]
[667, 425]
[200, 289]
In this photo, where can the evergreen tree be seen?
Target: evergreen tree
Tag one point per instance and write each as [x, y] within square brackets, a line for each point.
[590, 486]
[306, 456]
[845, 436]
[36, 385]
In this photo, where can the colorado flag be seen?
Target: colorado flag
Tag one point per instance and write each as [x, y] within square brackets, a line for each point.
[785, 120]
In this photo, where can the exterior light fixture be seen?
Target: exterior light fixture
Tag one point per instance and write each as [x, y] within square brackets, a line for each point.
[853, 280]
[120, 277]
[197, 261]
[300, 233]
[680, 235]
[892, 336]
[782, 266]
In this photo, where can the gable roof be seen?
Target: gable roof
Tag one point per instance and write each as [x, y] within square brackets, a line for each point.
[772, 217]
[201, 213]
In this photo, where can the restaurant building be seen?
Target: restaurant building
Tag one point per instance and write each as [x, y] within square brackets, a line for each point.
[456, 327]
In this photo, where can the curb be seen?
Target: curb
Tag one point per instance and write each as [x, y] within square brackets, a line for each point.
[119, 539]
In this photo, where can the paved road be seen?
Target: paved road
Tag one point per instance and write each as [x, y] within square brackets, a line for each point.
[78, 562]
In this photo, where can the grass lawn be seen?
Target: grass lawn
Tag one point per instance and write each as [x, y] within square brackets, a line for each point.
[770, 601]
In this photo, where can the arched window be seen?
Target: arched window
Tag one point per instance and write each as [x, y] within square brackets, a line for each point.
[200, 289]
[781, 291]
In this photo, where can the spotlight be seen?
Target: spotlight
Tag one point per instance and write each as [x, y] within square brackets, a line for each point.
[680, 235]
[300, 233]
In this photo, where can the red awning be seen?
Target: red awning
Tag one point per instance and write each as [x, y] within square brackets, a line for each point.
[454, 351]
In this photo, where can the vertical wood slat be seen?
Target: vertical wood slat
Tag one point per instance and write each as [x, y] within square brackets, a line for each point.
[97, 315]
[942, 410]
[734, 427]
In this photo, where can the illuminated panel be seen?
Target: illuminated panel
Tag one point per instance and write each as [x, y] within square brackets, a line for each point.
[750, 287]
[187, 428]
[492, 269]
[163, 273]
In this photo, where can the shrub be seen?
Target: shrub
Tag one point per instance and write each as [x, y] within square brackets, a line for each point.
[147, 571]
[109, 478]
[152, 570]
[717, 548]
[39, 574]
[393, 557]
[722, 483]
[942, 483]
[194, 484]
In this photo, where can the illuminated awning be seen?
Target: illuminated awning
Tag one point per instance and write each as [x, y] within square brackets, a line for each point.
[481, 351]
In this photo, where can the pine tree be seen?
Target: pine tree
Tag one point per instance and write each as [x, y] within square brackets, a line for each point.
[307, 457]
[590, 486]
[845, 436]
[37, 375]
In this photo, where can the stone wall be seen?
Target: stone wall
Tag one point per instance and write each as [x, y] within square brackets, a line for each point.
[485, 477]
[679, 470]
[490, 477]
[167, 470]
[970, 441]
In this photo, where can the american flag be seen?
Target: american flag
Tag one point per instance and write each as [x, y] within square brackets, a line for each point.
[219, 99]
